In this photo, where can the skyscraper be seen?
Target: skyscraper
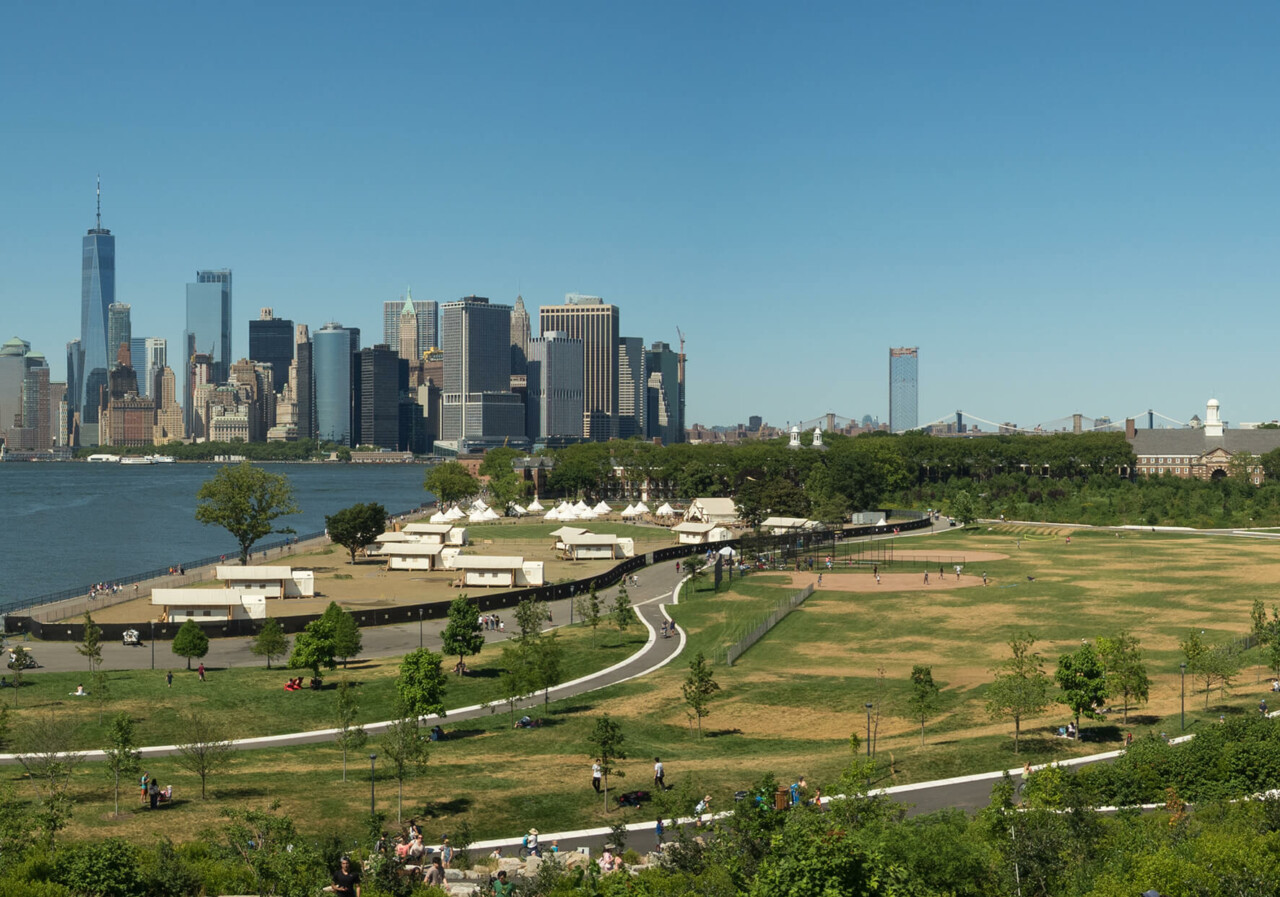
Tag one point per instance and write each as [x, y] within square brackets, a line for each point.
[633, 376]
[119, 331]
[408, 346]
[305, 383]
[903, 389]
[97, 293]
[479, 407]
[334, 373]
[589, 319]
[271, 342]
[520, 334]
[664, 406]
[381, 385]
[208, 331]
[427, 311]
[553, 404]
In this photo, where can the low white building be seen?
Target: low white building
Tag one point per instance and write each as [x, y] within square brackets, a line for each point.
[502, 572]
[690, 533]
[412, 555]
[595, 546]
[209, 605]
[444, 533]
[272, 582]
[780, 525]
[712, 510]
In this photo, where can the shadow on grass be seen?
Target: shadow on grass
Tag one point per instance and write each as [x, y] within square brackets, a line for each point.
[437, 808]
[718, 733]
[459, 734]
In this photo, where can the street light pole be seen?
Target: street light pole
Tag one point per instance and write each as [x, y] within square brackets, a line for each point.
[868, 706]
[1183, 665]
[372, 810]
[153, 644]
[419, 628]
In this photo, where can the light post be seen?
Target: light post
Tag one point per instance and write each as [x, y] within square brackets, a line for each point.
[372, 810]
[868, 706]
[419, 628]
[153, 644]
[1183, 666]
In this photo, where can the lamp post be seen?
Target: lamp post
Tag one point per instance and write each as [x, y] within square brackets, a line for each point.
[419, 628]
[153, 644]
[868, 706]
[372, 810]
[1183, 666]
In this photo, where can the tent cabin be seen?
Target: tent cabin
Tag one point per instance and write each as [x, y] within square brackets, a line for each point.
[272, 582]
[782, 525]
[595, 546]
[412, 555]
[690, 533]
[209, 605]
[442, 533]
[479, 570]
[559, 534]
[711, 510]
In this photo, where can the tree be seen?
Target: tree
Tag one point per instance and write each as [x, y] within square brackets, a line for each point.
[1021, 688]
[18, 668]
[91, 647]
[588, 607]
[450, 482]
[314, 647]
[1216, 663]
[698, 688]
[517, 678]
[347, 640]
[622, 612]
[924, 697]
[245, 501]
[406, 748]
[421, 684]
[202, 752]
[190, 641]
[351, 737]
[962, 508]
[548, 665]
[100, 689]
[44, 750]
[357, 526]
[121, 752]
[1083, 679]
[1126, 670]
[270, 641]
[462, 636]
[608, 746]
[530, 615]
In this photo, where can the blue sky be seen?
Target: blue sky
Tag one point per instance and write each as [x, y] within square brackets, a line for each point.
[1067, 208]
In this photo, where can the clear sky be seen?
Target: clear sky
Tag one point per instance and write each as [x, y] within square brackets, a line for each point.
[1067, 207]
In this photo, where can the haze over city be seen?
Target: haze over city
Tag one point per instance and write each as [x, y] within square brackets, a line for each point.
[1067, 210]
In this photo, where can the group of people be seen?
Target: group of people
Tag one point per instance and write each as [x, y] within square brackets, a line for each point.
[179, 570]
[104, 588]
[668, 628]
[152, 794]
[416, 857]
[293, 684]
[492, 623]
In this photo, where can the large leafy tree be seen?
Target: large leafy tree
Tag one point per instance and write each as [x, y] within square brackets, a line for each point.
[245, 501]
[1082, 676]
[1126, 670]
[698, 688]
[347, 640]
[190, 641]
[357, 526]
[421, 684]
[451, 482]
[270, 641]
[1021, 687]
[314, 647]
[462, 636]
[519, 673]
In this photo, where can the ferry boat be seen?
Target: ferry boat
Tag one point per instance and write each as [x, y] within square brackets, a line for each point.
[103, 459]
[134, 459]
[161, 459]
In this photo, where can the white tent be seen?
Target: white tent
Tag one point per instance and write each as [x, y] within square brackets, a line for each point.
[602, 508]
[666, 510]
[519, 511]
[564, 506]
[642, 508]
[629, 511]
[553, 514]
[439, 517]
[479, 505]
[454, 513]
[588, 514]
[478, 516]
[567, 514]
[535, 505]
[490, 514]
[728, 552]
[581, 506]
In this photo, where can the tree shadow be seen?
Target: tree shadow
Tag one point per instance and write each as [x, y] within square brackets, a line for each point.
[459, 734]
[719, 733]
[437, 808]
[1141, 720]
[1099, 734]
[576, 708]
[484, 673]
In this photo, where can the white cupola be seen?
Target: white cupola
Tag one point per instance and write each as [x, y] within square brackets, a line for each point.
[1212, 419]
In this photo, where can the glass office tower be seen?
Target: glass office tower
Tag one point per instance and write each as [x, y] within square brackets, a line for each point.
[208, 330]
[271, 342]
[97, 294]
[333, 349]
[903, 389]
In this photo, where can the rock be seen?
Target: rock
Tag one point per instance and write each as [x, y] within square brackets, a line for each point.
[509, 865]
[462, 889]
[531, 865]
[573, 859]
[454, 875]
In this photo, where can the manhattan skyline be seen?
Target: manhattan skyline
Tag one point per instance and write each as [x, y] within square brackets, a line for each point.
[1066, 210]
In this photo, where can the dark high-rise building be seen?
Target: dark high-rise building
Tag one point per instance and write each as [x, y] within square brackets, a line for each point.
[119, 330]
[591, 320]
[903, 388]
[208, 329]
[97, 293]
[305, 383]
[426, 321]
[334, 373]
[271, 342]
[384, 377]
[520, 335]
[479, 407]
[553, 404]
[633, 377]
[665, 404]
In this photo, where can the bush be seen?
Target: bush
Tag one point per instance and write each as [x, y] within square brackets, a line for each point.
[18, 887]
[107, 868]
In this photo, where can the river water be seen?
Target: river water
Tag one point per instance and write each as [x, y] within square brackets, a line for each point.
[65, 525]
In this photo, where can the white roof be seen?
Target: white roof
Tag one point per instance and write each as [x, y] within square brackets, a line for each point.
[479, 505]
[591, 539]
[518, 510]
[566, 514]
[602, 508]
[786, 522]
[397, 537]
[479, 562]
[553, 514]
[436, 529]
[478, 516]
[629, 511]
[535, 505]
[567, 531]
[666, 510]
[691, 527]
[588, 514]
[439, 517]
[721, 507]
[642, 508]
[254, 574]
[454, 513]
[200, 597]
[411, 549]
[491, 514]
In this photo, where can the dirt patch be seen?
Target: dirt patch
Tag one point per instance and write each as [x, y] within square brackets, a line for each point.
[837, 581]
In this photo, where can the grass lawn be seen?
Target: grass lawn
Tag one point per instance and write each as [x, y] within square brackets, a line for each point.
[790, 704]
[250, 701]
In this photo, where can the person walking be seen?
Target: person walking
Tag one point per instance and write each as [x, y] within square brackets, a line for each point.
[659, 775]
[595, 776]
[168, 678]
[346, 881]
[200, 670]
[435, 874]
